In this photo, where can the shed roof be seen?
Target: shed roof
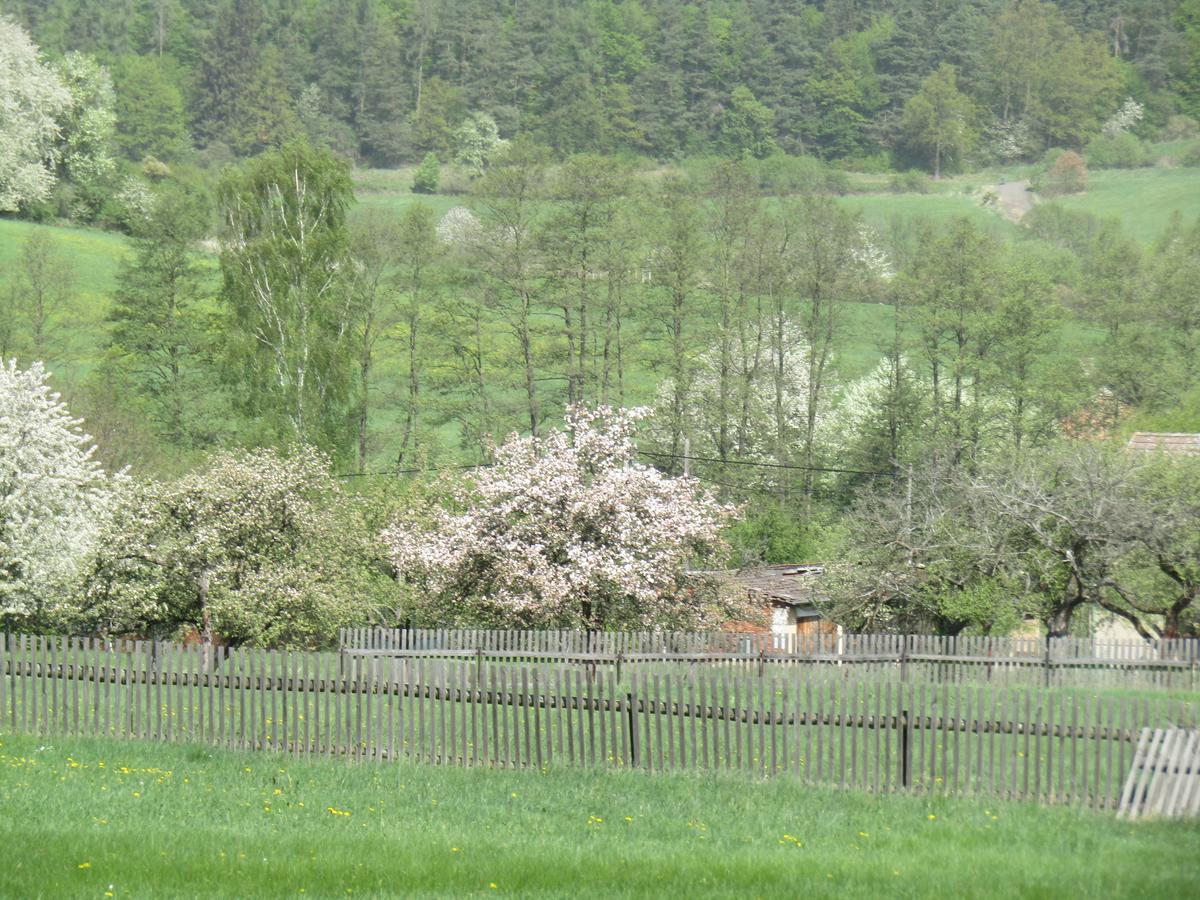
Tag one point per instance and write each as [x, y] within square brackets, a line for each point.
[1176, 443]
[792, 583]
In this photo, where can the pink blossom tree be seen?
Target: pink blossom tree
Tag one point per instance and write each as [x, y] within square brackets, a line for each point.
[566, 530]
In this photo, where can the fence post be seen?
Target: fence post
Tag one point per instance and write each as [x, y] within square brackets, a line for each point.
[905, 749]
[1046, 664]
[633, 732]
[620, 656]
[762, 659]
[903, 658]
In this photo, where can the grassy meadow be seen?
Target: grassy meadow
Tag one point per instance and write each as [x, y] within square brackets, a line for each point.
[103, 818]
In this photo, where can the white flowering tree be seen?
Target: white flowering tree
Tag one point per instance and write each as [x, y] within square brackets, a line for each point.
[1124, 119]
[54, 497]
[565, 531]
[32, 98]
[256, 546]
[459, 227]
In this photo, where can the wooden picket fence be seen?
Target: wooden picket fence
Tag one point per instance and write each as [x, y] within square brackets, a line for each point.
[1172, 664]
[1057, 746]
[1164, 780]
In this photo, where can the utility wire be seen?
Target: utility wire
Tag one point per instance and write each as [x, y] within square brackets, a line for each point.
[653, 454]
[762, 465]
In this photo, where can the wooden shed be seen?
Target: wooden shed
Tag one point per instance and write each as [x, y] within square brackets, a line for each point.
[790, 594]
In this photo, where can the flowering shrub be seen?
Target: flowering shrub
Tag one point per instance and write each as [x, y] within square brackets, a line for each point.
[53, 497]
[565, 531]
[258, 547]
[1125, 118]
[459, 226]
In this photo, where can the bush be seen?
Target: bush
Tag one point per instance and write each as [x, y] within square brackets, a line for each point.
[910, 182]
[1180, 128]
[1061, 172]
[1120, 151]
[1191, 157]
[781, 174]
[425, 179]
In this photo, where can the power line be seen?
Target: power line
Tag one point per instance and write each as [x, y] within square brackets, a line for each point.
[389, 472]
[763, 465]
[654, 454]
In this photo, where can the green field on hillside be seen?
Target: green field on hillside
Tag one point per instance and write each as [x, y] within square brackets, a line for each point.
[102, 818]
[1143, 199]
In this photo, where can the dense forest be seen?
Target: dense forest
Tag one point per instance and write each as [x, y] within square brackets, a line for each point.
[387, 81]
[885, 287]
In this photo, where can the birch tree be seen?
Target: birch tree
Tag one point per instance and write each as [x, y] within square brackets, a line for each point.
[286, 288]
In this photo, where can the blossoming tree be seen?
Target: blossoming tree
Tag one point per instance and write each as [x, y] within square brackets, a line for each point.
[256, 546]
[53, 498]
[567, 530]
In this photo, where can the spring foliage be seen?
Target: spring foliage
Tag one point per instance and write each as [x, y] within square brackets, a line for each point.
[54, 497]
[32, 98]
[565, 531]
[255, 546]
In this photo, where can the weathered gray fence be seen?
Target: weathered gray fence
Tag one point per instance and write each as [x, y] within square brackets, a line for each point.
[1164, 779]
[1046, 745]
[1054, 662]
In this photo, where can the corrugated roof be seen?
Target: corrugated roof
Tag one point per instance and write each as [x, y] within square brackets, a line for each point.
[1168, 442]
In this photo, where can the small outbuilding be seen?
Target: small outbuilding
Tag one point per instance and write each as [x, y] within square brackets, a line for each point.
[790, 594]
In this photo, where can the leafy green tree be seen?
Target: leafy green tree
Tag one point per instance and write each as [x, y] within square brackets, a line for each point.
[44, 286]
[937, 120]
[285, 289]
[476, 140]
[157, 326]
[510, 196]
[589, 191]
[948, 285]
[747, 126]
[1175, 295]
[150, 110]
[1040, 69]
[87, 133]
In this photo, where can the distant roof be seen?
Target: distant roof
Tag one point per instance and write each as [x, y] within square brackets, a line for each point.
[1167, 442]
[792, 583]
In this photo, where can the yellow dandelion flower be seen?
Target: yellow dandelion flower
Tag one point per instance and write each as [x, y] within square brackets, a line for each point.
[85, 865]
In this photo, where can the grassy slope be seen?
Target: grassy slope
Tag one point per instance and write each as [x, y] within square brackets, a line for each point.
[1143, 199]
[96, 256]
[170, 820]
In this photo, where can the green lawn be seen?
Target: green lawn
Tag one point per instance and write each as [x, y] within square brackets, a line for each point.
[96, 818]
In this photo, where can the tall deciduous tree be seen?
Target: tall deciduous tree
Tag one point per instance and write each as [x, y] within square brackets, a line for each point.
[937, 120]
[44, 285]
[286, 289]
[510, 198]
